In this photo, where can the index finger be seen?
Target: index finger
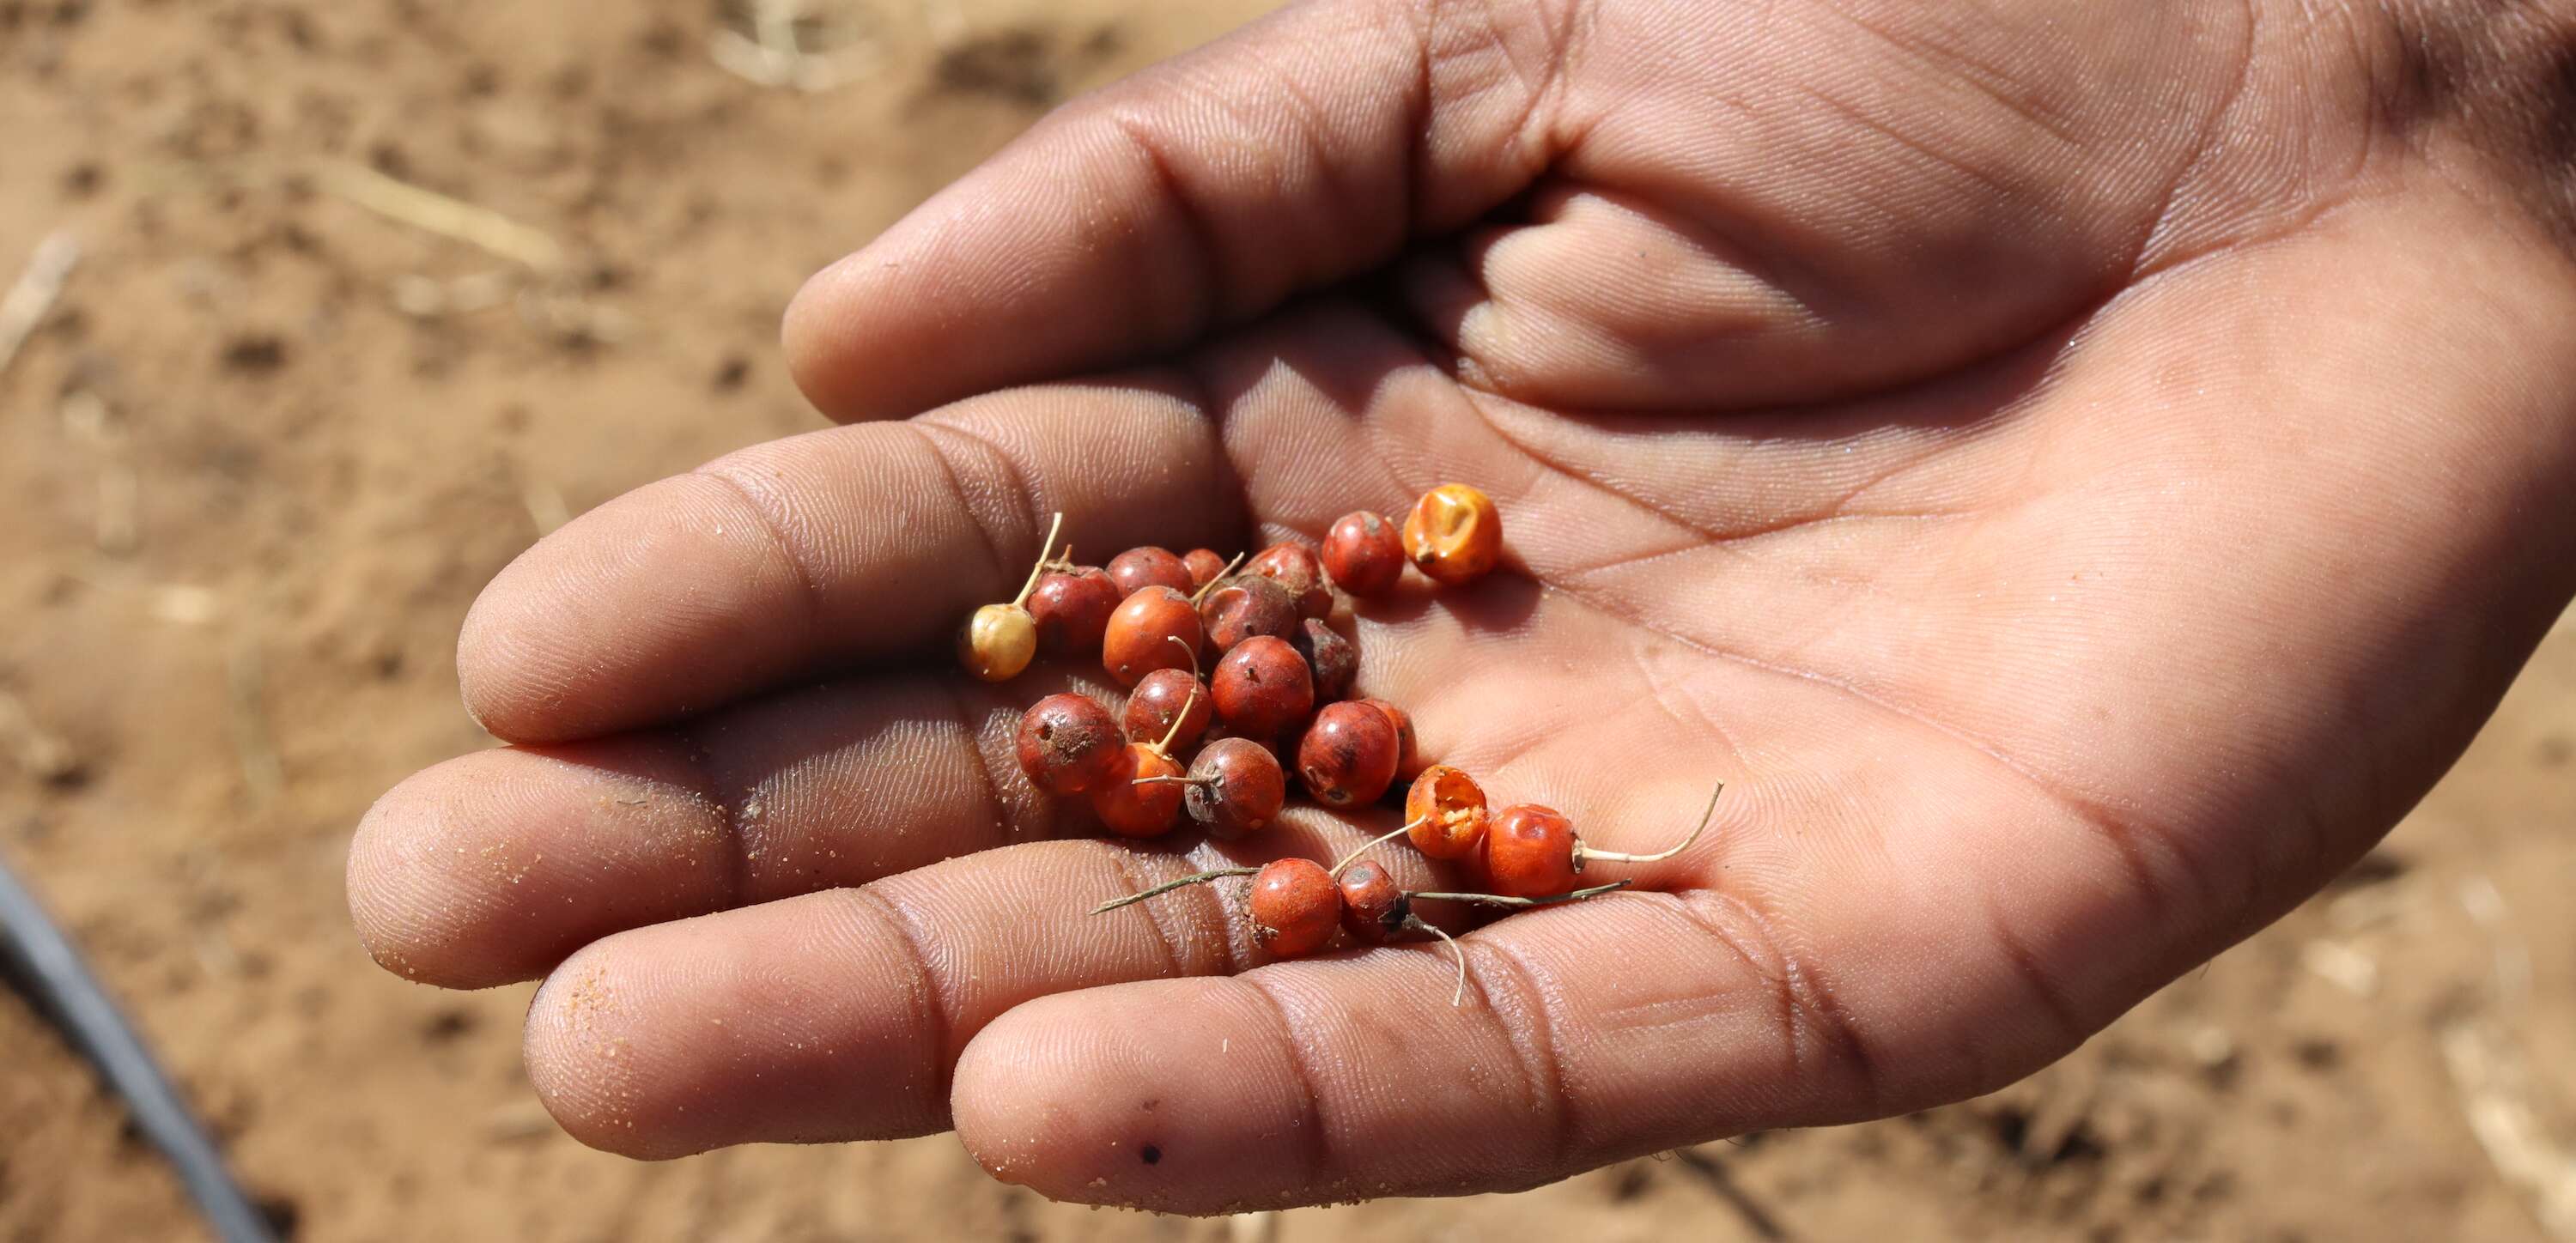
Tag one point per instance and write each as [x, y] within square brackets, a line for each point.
[1301, 151]
[824, 550]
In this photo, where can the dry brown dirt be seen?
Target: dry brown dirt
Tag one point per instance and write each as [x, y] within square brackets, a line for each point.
[269, 443]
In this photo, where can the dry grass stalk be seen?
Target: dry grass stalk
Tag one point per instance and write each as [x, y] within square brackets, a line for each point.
[775, 51]
[32, 297]
[444, 215]
[2495, 1090]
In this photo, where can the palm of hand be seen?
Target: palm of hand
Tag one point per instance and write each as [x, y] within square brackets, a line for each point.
[1982, 501]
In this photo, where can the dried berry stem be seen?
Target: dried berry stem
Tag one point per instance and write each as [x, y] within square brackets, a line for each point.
[1210, 585]
[1457, 996]
[1583, 852]
[1363, 848]
[1496, 899]
[1170, 885]
[1054, 526]
[1164, 747]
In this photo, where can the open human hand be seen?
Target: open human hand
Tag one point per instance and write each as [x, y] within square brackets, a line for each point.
[2079, 472]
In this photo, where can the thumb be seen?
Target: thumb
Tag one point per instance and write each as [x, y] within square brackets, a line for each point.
[1295, 153]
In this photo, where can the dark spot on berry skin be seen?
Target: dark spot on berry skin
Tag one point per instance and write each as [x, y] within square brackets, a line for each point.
[1154, 1104]
[1150, 1154]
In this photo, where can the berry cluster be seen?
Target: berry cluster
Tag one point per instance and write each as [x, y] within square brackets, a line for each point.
[1280, 685]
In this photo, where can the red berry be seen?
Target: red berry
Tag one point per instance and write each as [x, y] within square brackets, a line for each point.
[1244, 606]
[1446, 812]
[1295, 907]
[1407, 758]
[1334, 660]
[1204, 565]
[1072, 610]
[1529, 852]
[1139, 637]
[1236, 788]
[1374, 907]
[1068, 744]
[1363, 554]
[1348, 755]
[1134, 807]
[1262, 687]
[1139, 568]
[1164, 696]
[1295, 568]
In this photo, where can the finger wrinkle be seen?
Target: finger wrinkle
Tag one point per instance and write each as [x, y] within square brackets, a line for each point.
[975, 503]
[1212, 274]
[2054, 997]
[1811, 1013]
[702, 791]
[775, 520]
[933, 1001]
[1011, 823]
[1528, 1024]
[1316, 1144]
[1207, 918]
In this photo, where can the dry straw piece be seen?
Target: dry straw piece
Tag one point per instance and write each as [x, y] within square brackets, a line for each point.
[32, 297]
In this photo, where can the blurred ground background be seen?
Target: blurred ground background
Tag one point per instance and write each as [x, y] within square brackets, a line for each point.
[280, 427]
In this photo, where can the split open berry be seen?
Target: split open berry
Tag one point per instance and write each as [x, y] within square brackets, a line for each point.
[1294, 567]
[1262, 688]
[1072, 608]
[1408, 758]
[1533, 852]
[1348, 755]
[1169, 701]
[1204, 566]
[1235, 788]
[1454, 534]
[1139, 568]
[1139, 638]
[1444, 813]
[1363, 554]
[1244, 606]
[1334, 660]
[1068, 743]
[1140, 796]
[1375, 910]
[1294, 907]
[1000, 639]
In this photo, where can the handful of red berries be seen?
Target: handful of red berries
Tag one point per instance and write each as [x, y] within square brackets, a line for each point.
[1279, 686]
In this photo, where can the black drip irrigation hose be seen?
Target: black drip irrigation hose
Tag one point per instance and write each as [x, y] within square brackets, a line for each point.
[62, 986]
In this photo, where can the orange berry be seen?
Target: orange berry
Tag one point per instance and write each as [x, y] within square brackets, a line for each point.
[1374, 907]
[1132, 806]
[1454, 535]
[1295, 907]
[1139, 637]
[1529, 852]
[1446, 812]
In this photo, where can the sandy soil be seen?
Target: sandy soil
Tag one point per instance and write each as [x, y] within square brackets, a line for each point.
[270, 442]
